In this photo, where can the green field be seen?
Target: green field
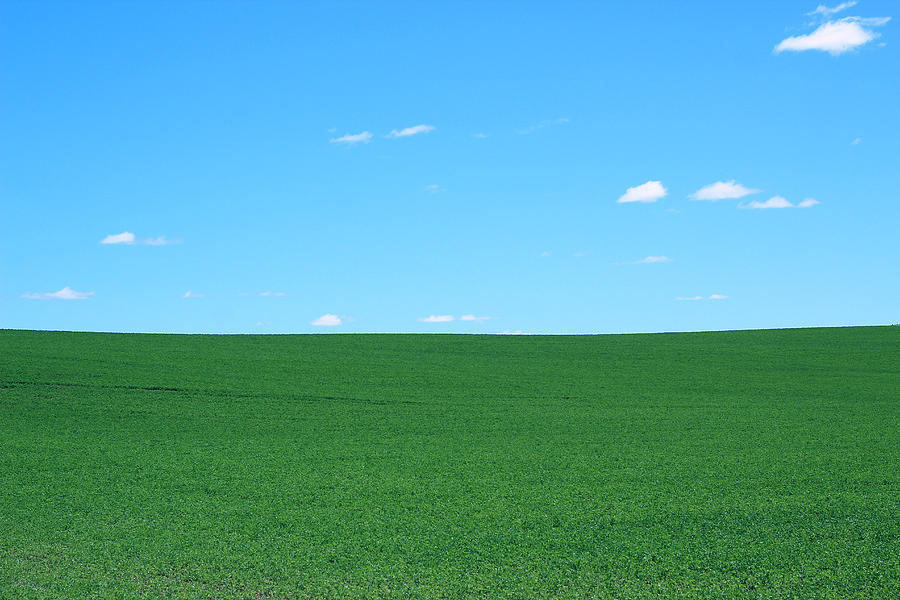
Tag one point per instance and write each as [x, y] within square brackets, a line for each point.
[752, 464]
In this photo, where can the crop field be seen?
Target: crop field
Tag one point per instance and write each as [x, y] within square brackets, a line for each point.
[750, 464]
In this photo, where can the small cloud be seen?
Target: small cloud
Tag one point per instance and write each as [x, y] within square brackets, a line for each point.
[856, 142]
[688, 298]
[779, 202]
[824, 10]
[474, 318]
[722, 190]
[433, 188]
[436, 319]
[545, 253]
[408, 131]
[479, 136]
[263, 323]
[66, 293]
[773, 202]
[352, 139]
[646, 192]
[159, 241]
[327, 320]
[579, 254]
[190, 294]
[541, 125]
[835, 37]
[718, 297]
[516, 332]
[126, 237]
[273, 294]
[649, 260]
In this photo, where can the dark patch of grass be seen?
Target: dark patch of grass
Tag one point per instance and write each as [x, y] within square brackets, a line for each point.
[755, 464]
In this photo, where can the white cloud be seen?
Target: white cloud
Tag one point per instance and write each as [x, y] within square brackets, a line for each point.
[545, 253]
[856, 141]
[835, 37]
[126, 237]
[773, 202]
[352, 139]
[516, 332]
[479, 136]
[649, 260]
[541, 125]
[408, 131]
[723, 190]
[437, 319]
[646, 192]
[713, 297]
[824, 10]
[66, 293]
[275, 294]
[190, 294]
[779, 202]
[474, 318]
[579, 254]
[159, 241]
[327, 320]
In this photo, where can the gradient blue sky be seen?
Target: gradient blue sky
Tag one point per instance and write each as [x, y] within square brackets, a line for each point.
[211, 128]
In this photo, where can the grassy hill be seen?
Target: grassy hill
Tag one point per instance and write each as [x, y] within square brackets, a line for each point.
[752, 464]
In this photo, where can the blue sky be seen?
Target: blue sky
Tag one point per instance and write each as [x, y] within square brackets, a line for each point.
[534, 167]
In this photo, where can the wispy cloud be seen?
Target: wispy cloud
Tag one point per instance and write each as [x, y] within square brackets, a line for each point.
[646, 192]
[159, 241]
[723, 190]
[480, 136]
[436, 319]
[718, 297]
[408, 131]
[192, 294]
[66, 293]
[649, 260]
[516, 332]
[273, 294]
[327, 320]
[474, 318]
[826, 11]
[127, 238]
[545, 253]
[352, 139]
[779, 202]
[856, 141]
[541, 125]
[835, 37]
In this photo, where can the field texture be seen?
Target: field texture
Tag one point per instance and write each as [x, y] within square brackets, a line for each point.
[757, 464]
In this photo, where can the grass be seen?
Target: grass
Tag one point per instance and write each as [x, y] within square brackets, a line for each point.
[752, 464]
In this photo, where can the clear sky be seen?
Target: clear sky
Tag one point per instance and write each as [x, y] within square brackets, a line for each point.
[547, 167]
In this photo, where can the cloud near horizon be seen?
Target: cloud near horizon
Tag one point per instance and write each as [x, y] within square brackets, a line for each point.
[408, 131]
[474, 318]
[723, 190]
[352, 139]
[327, 320]
[66, 293]
[646, 192]
[437, 319]
[779, 202]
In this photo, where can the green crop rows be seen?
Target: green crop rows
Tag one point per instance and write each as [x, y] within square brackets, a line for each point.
[755, 464]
